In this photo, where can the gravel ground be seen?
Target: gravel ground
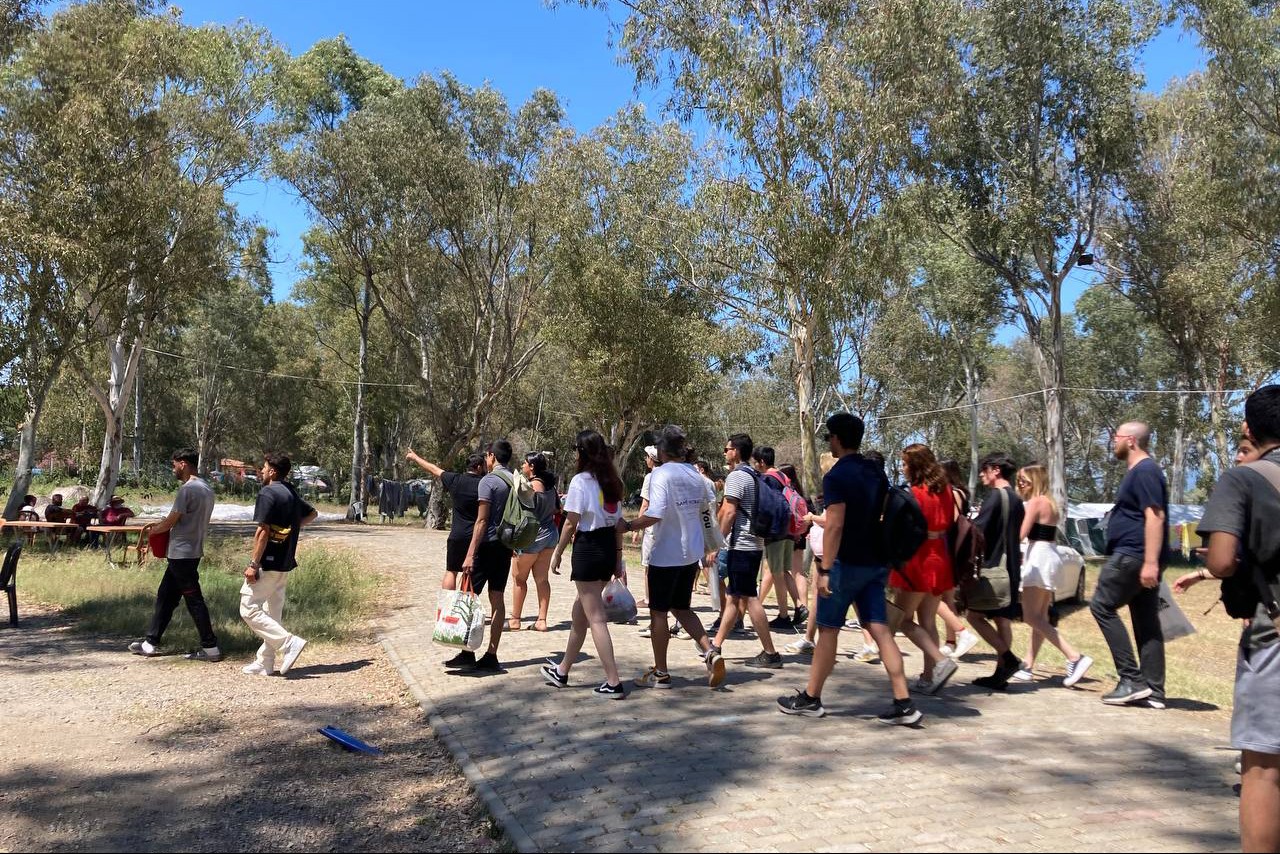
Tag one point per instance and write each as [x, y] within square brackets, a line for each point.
[106, 751]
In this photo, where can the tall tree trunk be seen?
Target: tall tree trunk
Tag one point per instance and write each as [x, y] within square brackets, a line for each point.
[123, 354]
[359, 452]
[1178, 463]
[35, 398]
[805, 361]
[1050, 367]
[137, 421]
[971, 395]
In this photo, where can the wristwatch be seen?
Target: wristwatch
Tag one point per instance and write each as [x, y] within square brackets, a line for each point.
[253, 564]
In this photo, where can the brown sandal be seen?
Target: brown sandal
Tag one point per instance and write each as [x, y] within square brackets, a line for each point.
[513, 625]
[540, 626]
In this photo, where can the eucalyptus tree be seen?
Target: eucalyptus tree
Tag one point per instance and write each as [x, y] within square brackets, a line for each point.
[131, 126]
[1044, 119]
[642, 347]
[815, 103]
[1175, 250]
[326, 159]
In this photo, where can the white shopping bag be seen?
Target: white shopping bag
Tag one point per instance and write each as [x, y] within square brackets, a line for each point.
[1173, 623]
[619, 604]
[460, 619]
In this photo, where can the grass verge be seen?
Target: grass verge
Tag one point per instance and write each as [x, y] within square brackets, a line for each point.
[329, 597]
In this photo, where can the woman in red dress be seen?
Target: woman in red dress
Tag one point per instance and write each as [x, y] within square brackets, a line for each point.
[919, 584]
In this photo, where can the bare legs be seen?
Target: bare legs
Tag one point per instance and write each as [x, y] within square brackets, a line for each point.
[1035, 613]
[588, 613]
[539, 565]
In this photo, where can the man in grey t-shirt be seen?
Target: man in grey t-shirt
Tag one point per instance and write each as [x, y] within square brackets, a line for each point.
[488, 561]
[187, 522]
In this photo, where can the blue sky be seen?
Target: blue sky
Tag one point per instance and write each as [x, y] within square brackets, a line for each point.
[516, 45]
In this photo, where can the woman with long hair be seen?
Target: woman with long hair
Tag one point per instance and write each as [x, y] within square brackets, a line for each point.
[919, 584]
[1040, 569]
[537, 558]
[959, 639]
[592, 509]
[798, 583]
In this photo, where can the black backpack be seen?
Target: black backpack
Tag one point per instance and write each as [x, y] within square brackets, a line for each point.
[903, 528]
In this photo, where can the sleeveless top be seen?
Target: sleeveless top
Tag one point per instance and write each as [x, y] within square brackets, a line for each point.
[1043, 533]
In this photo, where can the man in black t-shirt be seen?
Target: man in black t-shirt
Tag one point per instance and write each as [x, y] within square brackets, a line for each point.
[280, 513]
[1000, 521]
[464, 490]
[1136, 536]
[1242, 520]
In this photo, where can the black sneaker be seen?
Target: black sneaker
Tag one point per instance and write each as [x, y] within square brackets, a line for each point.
[714, 627]
[801, 704]
[902, 714]
[466, 658]
[1126, 692]
[801, 617]
[740, 629]
[611, 692]
[767, 660]
[551, 675]
[487, 663]
[780, 622]
[993, 682]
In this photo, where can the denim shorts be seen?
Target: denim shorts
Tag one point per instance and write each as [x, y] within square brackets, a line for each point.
[862, 586]
[547, 539]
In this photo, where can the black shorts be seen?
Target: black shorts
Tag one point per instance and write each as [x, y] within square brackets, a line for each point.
[671, 587]
[492, 567]
[744, 572]
[595, 555]
[455, 554]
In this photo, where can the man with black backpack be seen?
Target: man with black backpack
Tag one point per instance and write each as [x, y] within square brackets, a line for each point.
[740, 521]
[488, 560]
[852, 572]
[1242, 521]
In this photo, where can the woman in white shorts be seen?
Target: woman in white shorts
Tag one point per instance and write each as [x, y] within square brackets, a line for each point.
[1040, 570]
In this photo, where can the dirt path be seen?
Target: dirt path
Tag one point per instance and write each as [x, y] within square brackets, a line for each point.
[105, 751]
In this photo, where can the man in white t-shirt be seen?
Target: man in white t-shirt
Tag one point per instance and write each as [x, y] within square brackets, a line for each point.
[677, 497]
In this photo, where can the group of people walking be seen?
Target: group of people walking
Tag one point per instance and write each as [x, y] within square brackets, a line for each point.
[1018, 521]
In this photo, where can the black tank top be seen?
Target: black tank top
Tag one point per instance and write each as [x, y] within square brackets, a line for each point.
[1043, 533]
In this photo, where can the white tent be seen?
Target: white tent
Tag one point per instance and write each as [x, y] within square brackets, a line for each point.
[1179, 514]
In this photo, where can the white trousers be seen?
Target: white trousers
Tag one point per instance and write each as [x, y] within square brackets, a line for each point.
[261, 606]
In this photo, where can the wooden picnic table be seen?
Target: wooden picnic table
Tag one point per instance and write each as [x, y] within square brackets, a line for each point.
[113, 532]
[50, 529]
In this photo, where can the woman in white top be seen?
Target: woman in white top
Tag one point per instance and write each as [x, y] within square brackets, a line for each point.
[592, 509]
[1039, 572]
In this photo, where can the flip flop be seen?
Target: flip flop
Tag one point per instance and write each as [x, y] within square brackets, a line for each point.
[513, 625]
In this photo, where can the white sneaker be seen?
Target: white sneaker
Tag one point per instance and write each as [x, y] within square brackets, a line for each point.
[143, 648]
[289, 653]
[255, 669]
[921, 685]
[1024, 674]
[804, 646]
[947, 649]
[942, 673]
[1077, 669]
[965, 641]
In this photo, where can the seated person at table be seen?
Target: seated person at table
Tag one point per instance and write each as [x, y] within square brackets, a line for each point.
[116, 513]
[28, 512]
[83, 514]
[55, 512]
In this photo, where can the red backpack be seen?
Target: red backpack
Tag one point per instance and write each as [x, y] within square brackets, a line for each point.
[797, 526]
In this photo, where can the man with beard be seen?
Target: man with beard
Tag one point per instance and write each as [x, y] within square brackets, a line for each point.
[1137, 535]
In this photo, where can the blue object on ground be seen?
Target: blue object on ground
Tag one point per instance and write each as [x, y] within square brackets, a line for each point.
[350, 742]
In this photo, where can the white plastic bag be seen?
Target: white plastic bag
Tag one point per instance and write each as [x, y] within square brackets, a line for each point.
[619, 604]
[712, 537]
[459, 620]
[1173, 623]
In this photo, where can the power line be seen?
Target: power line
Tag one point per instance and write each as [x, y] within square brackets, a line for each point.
[276, 375]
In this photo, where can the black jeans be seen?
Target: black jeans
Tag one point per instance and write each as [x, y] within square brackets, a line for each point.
[181, 581]
[1120, 584]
